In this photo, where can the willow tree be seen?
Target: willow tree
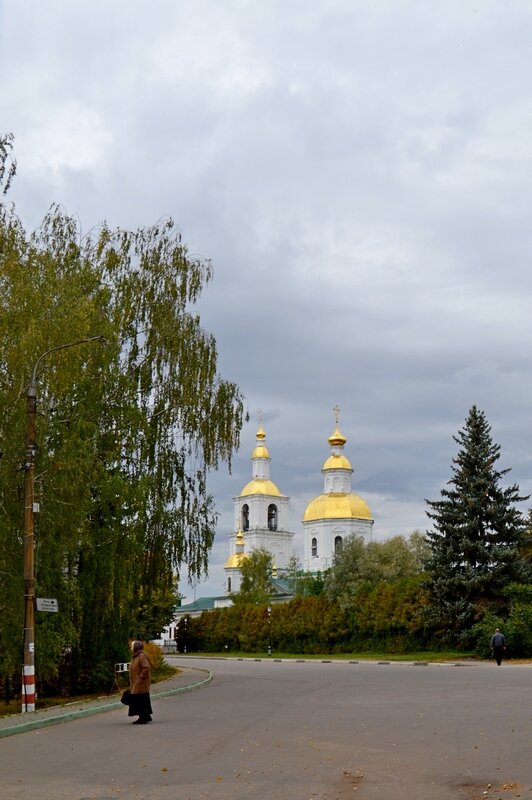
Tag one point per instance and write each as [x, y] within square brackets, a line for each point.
[127, 431]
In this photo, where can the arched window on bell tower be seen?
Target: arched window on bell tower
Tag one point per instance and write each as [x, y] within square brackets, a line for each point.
[245, 517]
[338, 544]
[314, 547]
[272, 517]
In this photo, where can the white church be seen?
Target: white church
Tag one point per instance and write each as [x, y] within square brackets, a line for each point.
[261, 515]
[260, 520]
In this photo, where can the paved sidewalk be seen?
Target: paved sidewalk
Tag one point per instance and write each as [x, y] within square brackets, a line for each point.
[189, 678]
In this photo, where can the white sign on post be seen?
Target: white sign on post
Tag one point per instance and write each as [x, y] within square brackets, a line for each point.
[47, 604]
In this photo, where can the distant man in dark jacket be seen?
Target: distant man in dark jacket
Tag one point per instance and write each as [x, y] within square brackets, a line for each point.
[498, 645]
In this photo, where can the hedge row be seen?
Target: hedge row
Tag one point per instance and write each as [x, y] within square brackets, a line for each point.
[386, 617]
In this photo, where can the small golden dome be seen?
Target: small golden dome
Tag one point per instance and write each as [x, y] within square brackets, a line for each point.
[261, 451]
[337, 461]
[235, 561]
[337, 505]
[260, 486]
[337, 439]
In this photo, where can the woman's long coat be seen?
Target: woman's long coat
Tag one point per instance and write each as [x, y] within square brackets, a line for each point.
[140, 673]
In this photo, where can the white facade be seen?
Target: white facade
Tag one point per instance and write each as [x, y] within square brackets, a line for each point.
[322, 539]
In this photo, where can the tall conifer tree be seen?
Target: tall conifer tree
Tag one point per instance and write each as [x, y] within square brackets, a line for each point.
[477, 532]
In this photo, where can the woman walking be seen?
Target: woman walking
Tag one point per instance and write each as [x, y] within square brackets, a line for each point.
[140, 678]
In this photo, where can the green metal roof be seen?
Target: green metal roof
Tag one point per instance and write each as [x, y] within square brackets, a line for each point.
[201, 604]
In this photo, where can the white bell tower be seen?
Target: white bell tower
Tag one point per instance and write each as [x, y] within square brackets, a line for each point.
[261, 515]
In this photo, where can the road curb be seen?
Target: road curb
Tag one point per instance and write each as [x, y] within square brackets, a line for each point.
[89, 711]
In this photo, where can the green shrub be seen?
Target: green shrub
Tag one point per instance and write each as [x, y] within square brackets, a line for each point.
[477, 639]
[519, 631]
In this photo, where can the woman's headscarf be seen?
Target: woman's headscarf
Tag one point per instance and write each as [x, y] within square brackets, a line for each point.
[137, 647]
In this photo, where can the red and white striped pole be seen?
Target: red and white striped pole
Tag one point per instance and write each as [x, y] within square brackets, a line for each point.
[28, 688]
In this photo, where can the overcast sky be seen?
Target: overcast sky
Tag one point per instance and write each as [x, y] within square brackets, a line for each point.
[360, 174]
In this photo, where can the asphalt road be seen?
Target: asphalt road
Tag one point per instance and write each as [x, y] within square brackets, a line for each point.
[308, 731]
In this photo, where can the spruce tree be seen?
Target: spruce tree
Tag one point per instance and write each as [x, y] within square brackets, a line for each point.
[478, 532]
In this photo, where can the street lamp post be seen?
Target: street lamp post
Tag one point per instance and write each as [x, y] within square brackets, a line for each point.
[269, 631]
[28, 669]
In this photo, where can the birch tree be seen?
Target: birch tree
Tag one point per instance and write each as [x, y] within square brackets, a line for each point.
[127, 431]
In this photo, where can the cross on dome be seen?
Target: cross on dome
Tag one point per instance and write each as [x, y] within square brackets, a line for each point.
[337, 439]
[260, 433]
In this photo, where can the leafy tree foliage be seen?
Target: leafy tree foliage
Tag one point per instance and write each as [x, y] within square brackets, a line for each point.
[304, 584]
[384, 616]
[127, 432]
[389, 615]
[477, 534]
[526, 546]
[255, 585]
[345, 575]
[310, 584]
[8, 164]
[419, 547]
[516, 626]
[358, 563]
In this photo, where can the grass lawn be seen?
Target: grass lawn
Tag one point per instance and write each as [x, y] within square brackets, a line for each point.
[13, 706]
[421, 656]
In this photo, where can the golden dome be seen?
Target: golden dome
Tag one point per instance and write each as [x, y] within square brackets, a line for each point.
[261, 451]
[235, 561]
[337, 461]
[260, 486]
[337, 505]
[337, 439]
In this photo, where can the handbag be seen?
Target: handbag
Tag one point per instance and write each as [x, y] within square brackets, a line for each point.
[126, 697]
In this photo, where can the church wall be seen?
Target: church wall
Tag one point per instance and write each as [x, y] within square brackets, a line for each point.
[325, 532]
[337, 481]
[278, 543]
[233, 579]
[258, 512]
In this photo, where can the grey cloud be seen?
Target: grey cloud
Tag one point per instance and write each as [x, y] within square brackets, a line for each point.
[360, 176]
